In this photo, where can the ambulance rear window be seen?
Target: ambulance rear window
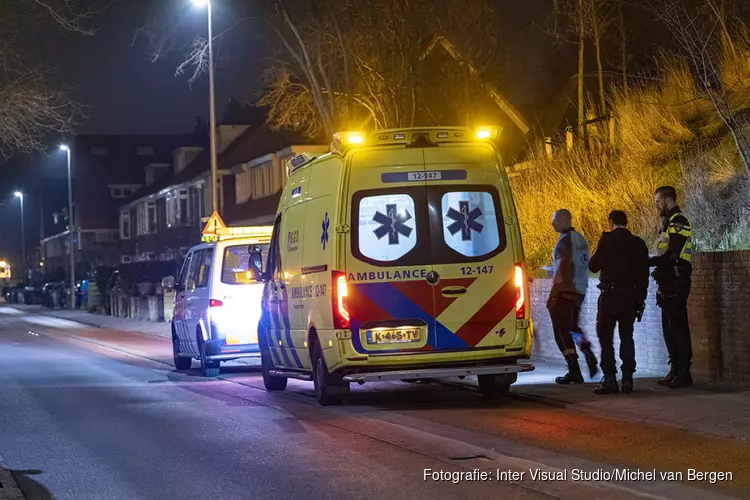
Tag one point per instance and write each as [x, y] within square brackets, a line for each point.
[236, 267]
[427, 225]
[386, 226]
[470, 222]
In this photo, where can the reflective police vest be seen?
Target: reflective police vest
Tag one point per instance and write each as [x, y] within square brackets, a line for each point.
[683, 229]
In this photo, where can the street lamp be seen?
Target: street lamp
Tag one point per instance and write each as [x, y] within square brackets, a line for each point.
[19, 195]
[212, 110]
[70, 229]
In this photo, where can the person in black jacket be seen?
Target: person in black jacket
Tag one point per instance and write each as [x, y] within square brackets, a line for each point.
[623, 261]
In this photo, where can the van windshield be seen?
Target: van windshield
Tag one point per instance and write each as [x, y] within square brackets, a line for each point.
[420, 225]
[237, 267]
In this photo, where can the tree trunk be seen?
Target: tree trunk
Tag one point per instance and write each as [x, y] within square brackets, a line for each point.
[597, 50]
[623, 49]
[581, 41]
[350, 117]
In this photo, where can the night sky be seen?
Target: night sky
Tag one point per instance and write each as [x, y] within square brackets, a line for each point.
[128, 94]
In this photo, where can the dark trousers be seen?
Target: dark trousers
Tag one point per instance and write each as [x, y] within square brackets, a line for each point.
[617, 311]
[564, 312]
[674, 321]
[579, 336]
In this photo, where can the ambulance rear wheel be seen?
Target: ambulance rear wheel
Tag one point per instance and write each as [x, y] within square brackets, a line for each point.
[271, 382]
[329, 389]
[496, 385]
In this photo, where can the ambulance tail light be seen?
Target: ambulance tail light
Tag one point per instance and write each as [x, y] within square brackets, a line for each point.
[215, 303]
[519, 280]
[340, 294]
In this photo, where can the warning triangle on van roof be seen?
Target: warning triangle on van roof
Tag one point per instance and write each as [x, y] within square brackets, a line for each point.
[213, 225]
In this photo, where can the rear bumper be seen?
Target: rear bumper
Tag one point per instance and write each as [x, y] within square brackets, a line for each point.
[218, 350]
[439, 372]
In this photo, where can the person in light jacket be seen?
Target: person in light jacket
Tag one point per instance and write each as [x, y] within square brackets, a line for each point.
[569, 284]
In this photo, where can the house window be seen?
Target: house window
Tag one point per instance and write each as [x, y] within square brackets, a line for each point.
[183, 207]
[125, 224]
[151, 209]
[121, 191]
[147, 218]
[99, 151]
[145, 150]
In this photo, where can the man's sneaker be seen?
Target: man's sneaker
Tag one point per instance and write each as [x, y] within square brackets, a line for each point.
[669, 377]
[608, 386]
[683, 379]
[591, 362]
[627, 384]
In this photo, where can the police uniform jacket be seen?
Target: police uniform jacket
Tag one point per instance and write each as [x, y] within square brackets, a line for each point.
[675, 248]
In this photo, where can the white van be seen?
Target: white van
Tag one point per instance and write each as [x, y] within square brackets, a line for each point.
[218, 300]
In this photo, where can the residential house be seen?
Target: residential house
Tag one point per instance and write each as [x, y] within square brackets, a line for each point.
[165, 218]
[107, 169]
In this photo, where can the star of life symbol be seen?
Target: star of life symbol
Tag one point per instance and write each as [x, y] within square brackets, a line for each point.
[464, 220]
[324, 226]
[392, 224]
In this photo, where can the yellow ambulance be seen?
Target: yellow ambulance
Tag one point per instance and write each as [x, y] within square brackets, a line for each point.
[396, 256]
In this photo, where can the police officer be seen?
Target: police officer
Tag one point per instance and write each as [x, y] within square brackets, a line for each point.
[622, 258]
[672, 274]
[569, 284]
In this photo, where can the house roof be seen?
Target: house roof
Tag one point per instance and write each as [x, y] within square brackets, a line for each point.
[256, 141]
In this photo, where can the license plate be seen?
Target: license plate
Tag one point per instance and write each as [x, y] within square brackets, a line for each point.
[393, 336]
[425, 176]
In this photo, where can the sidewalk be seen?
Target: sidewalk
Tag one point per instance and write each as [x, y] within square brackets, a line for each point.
[102, 321]
[706, 408]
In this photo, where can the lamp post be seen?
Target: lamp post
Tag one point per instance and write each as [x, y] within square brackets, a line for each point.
[212, 109]
[71, 235]
[19, 195]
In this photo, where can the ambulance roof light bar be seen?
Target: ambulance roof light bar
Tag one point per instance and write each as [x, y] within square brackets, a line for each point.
[342, 141]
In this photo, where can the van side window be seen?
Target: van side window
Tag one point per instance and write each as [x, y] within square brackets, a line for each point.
[192, 275]
[182, 278]
[273, 266]
[204, 271]
[470, 222]
[386, 226]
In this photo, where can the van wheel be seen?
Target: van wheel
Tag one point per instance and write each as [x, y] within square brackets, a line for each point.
[208, 368]
[180, 362]
[329, 389]
[496, 385]
[271, 382]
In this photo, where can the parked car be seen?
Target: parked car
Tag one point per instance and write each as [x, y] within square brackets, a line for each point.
[218, 301]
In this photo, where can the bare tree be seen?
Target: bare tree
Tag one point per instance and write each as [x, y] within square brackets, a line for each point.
[704, 40]
[31, 106]
[351, 59]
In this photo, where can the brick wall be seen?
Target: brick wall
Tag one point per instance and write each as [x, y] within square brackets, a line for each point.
[719, 309]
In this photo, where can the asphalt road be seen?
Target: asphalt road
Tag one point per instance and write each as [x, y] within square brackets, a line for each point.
[89, 413]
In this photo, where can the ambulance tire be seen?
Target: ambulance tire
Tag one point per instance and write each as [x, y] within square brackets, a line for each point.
[180, 362]
[208, 368]
[495, 385]
[329, 389]
[271, 382]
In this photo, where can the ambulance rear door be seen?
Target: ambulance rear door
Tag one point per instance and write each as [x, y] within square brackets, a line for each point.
[475, 298]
